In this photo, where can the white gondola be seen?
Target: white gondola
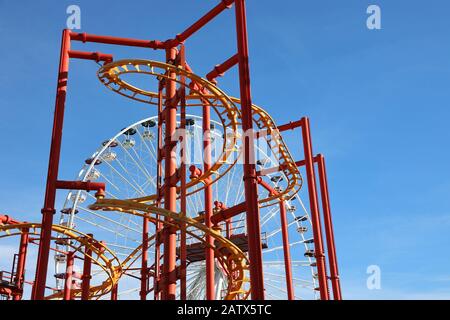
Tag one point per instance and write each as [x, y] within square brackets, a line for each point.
[292, 208]
[93, 175]
[81, 198]
[60, 258]
[148, 135]
[109, 156]
[129, 143]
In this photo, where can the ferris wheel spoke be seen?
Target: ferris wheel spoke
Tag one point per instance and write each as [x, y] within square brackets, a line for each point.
[276, 286]
[151, 152]
[284, 277]
[94, 213]
[281, 247]
[138, 165]
[141, 192]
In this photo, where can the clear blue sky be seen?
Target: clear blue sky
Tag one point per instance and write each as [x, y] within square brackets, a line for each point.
[378, 102]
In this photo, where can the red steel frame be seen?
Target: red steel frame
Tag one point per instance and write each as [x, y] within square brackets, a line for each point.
[165, 280]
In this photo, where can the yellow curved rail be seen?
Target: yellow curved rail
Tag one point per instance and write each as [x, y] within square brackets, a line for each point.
[101, 255]
[231, 257]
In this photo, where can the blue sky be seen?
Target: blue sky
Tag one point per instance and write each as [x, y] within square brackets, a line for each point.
[378, 103]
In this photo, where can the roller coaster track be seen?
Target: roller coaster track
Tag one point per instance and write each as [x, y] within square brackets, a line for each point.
[233, 260]
[77, 241]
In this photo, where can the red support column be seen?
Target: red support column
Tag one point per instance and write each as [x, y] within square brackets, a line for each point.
[285, 237]
[50, 193]
[87, 266]
[115, 292]
[210, 291]
[68, 277]
[183, 252]
[315, 216]
[286, 251]
[328, 225]
[170, 193]
[158, 226]
[20, 272]
[144, 260]
[250, 183]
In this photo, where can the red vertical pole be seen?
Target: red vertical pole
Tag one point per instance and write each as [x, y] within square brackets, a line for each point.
[328, 225]
[286, 251]
[250, 178]
[115, 292]
[68, 277]
[315, 216]
[50, 193]
[20, 272]
[210, 291]
[170, 192]
[87, 267]
[158, 226]
[228, 228]
[144, 259]
[183, 252]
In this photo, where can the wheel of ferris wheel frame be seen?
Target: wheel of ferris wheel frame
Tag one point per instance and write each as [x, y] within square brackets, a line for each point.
[127, 164]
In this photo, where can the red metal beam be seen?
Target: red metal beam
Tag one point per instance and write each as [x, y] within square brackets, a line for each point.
[84, 37]
[314, 207]
[50, 192]
[228, 213]
[96, 56]
[81, 185]
[21, 262]
[169, 277]
[328, 225]
[220, 69]
[160, 192]
[68, 277]
[144, 260]
[87, 266]
[285, 236]
[250, 178]
[183, 191]
[5, 219]
[224, 4]
[209, 252]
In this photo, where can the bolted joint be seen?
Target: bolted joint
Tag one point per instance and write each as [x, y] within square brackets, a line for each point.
[48, 211]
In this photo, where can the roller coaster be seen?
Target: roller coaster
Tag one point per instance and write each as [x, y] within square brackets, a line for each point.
[204, 200]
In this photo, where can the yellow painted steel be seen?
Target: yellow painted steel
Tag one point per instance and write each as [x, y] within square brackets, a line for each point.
[101, 255]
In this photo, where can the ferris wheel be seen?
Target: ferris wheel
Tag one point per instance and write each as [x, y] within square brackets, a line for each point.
[127, 164]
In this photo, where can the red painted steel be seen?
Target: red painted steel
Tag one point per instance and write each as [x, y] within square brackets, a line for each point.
[160, 193]
[207, 159]
[50, 193]
[328, 225]
[115, 292]
[21, 262]
[169, 276]
[87, 267]
[183, 196]
[224, 4]
[228, 213]
[220, 69]
[250, 183]
[68, 277]
[84, 37]
[314, 207]
[285, 236]
[144, 260]
[96, 56]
